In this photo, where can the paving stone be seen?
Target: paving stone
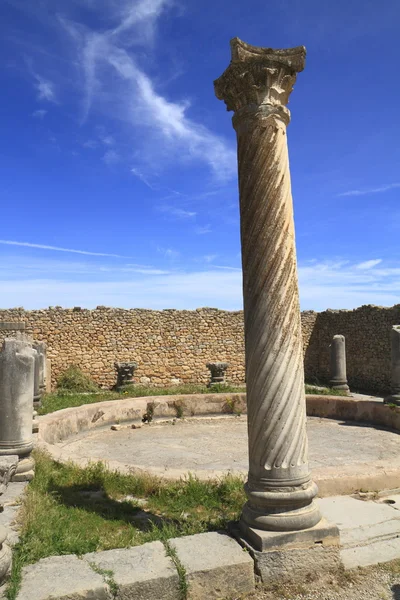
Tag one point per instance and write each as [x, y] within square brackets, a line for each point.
[13, 492]
[62, 578]
[371, 554]
[369, 531]
[216, 566]
[141, 573]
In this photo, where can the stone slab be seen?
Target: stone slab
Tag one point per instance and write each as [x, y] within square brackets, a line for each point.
[13, 492]
[216, 566]
[62, 578]
[361, 522]
[324, 533]
[141, 573]
[371, 554]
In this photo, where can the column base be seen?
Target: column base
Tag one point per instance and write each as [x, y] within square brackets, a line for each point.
[336, 385]
[25, 470]
[291, 555]
[392, 399]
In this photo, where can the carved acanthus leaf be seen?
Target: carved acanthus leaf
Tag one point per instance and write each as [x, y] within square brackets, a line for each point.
[258, 76]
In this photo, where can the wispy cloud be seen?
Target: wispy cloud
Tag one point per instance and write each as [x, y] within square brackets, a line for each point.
[377, 190]
[138, 173]
[175, 212]
[111, 74]
[368, 264]
[45, 89]
[203, 229]
[343, 284]
[58, 249]
[39, 114]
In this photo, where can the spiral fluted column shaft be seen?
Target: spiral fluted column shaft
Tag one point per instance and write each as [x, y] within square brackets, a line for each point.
[280, 492]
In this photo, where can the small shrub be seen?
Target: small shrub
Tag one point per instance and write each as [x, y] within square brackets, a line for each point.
[74, 380]
[148, 415]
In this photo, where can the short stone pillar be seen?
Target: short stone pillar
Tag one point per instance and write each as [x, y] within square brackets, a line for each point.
[125, 371]
[280, 492]
[394, 396]
[217, 370]
[338, 380]
[17, 366]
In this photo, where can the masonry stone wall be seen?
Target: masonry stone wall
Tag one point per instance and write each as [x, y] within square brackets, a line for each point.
[172, 345]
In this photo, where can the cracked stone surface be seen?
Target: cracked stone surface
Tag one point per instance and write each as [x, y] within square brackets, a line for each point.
[214, 446]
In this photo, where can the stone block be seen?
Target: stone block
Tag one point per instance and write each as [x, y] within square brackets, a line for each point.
[141, 573]
[292, 555]
[62, 578]
[216, 566]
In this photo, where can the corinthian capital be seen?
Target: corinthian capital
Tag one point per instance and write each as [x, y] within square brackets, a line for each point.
[259, 76]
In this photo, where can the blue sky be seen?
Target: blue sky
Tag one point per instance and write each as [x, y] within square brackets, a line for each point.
[118, 164]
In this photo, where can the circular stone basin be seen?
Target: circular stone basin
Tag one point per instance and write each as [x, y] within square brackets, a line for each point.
[345, 456]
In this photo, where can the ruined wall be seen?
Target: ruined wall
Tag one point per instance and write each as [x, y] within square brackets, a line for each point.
[171, 344]
[167, 345]
[367, 332]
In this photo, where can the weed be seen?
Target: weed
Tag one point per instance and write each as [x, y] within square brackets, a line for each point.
[74, 380]
[172, 553]
[179, 407]
[149, 414]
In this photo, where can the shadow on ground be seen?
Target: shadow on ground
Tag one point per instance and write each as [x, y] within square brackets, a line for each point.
[97, 501]
[396, 592]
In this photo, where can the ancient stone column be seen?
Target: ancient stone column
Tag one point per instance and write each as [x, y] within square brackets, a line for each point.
[280, 492]
[125, 371]
[338, 379]
[394, 397]
[41, 349]
[17, 360]
[217, 370]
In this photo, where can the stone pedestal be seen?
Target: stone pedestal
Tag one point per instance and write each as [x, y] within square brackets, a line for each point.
[338, 379]
[17, 360]
[394, 397]
[279, 489]
[217, 370]
[125, 371]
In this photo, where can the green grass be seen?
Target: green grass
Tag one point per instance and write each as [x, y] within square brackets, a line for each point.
[60, 515]
[63, 399]
[324, 391]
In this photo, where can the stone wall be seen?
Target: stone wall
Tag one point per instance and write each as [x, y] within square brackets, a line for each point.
[167, 345]
[174, 345]
[367, 332]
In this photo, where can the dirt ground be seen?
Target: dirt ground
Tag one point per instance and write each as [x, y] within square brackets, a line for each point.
[374, 583]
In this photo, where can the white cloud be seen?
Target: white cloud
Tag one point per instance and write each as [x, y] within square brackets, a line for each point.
[178, 213]
[45, 89]
[203, 229]
[342, 284]
[208, 258]
[113, 77]
[138, 173]
[39, 114]
[369, 264]
[178, 290]
[57, 248]
[377, 190]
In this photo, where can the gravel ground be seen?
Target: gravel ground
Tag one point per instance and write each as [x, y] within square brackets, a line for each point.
[375, 583]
